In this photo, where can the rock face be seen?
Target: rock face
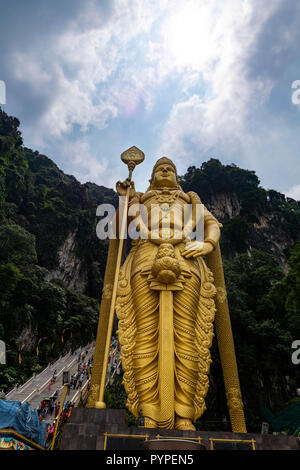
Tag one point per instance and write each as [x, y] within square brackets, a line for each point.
[70, 268]
[224, 206]
[27, 338]
[267, 237]
[264, 232]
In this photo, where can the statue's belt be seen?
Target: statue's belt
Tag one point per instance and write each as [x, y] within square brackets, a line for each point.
[166, 266]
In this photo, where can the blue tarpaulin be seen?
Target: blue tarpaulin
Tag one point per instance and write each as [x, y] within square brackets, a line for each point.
[23, 419]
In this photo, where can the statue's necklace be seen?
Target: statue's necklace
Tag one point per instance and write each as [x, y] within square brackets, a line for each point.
[166, 196]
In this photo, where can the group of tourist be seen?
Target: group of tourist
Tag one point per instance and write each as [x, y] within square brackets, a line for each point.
[51, 405]
[83, 373]
[48, 406]
[76, 381]
[66, 413]
[114, 361]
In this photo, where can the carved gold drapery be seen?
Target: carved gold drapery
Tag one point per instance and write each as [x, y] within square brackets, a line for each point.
[139, 302]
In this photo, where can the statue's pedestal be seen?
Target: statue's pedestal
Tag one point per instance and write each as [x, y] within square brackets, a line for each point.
[96, 429]
[172, 444]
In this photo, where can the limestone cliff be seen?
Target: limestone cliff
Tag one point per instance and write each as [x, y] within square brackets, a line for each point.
[70, 268]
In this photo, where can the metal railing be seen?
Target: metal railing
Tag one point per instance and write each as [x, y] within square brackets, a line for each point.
[40, 382]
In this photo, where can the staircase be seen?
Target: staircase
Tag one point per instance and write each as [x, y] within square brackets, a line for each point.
[37, 387]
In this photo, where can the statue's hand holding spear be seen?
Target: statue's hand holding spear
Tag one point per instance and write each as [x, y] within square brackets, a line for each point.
[121, 188]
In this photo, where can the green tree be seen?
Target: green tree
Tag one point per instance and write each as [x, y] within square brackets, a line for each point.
[10, 275]
[17, 245]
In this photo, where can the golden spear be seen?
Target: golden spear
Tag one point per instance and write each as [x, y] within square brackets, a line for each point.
[131, 157]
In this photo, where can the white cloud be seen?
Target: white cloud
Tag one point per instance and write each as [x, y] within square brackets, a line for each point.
[77, 73]
[220, 45]
[294, 192]
[27, 69]
[99, 65]
[98, 70]
[84, 163]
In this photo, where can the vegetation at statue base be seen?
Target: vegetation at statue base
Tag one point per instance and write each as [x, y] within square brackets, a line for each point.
[47, 224]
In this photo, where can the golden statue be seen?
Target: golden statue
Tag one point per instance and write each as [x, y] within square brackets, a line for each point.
[167, 297]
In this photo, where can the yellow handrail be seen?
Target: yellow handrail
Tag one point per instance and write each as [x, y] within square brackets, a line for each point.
[58, 416]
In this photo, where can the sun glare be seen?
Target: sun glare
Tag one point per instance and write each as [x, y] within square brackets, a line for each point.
[188, 36]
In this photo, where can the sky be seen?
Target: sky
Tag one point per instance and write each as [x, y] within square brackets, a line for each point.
[186, 79]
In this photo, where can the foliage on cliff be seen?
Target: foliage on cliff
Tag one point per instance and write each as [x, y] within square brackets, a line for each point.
[36, 313]
[38, 196]
[39, 207]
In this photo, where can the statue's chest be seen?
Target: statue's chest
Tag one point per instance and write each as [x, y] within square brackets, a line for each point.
[165, 210]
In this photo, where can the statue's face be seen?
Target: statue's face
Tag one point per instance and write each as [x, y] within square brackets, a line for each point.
[164, 176]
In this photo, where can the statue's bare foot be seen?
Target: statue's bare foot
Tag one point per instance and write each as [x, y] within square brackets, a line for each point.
[184, 424]
[150, 423]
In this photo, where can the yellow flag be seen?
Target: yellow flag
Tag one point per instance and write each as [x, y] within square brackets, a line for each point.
[62, 335]
[20, 357]
[37, 347]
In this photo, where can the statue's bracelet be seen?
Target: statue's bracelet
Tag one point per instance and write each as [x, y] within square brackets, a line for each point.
[212, 242]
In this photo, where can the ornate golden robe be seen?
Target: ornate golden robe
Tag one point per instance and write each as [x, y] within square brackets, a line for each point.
[162, 393]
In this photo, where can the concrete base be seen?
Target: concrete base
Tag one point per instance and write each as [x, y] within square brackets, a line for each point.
[87, 427]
